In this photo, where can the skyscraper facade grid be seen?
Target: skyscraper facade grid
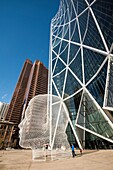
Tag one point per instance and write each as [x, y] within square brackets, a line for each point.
[81, 69]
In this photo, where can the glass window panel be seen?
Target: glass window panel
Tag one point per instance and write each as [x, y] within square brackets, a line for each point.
[59, 67]
[60, 32]
[76, 66]
[92, 62]
[73, 51]
[72, 27]
[73, 105]
[110, 85]
[75, 36]
[53, 63]
[72, 85]
[94, 119]
[59, 81]
[57, 47]
[103, 11]
[66, 34]
[83, 23]
[64, 53]
[93, 37]
[53, 55]
[81, 6]
[96, 87]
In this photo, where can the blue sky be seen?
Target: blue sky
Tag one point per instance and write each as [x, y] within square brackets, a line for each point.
[24, 33]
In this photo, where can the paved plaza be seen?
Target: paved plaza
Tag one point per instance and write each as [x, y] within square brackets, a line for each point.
[90, 160]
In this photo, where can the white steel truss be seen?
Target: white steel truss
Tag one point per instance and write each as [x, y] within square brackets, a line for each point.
[66, 31]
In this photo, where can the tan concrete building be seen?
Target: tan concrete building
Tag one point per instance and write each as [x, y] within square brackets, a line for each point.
[33, 80]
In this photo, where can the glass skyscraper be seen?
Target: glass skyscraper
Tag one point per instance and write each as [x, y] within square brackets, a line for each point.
[81, 69]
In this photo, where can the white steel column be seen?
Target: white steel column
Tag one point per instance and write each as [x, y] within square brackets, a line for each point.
[50, 86]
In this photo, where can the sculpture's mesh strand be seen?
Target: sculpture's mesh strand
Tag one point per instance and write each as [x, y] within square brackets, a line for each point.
[35, 127]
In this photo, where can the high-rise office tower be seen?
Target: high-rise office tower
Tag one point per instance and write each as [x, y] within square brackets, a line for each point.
[33, 80]
[15, 107]
[37, 83]
[81, 69]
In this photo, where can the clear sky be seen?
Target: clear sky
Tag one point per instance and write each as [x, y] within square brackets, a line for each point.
[24, 33]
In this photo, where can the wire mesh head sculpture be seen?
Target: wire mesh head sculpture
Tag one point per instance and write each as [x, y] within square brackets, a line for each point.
[34, 130]
[38, 123]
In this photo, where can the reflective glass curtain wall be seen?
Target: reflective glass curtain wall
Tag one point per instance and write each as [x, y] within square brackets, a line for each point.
[81, 69]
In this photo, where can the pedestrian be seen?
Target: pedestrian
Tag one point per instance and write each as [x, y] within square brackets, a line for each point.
[73, 150]
[80, 151]
[47, 147]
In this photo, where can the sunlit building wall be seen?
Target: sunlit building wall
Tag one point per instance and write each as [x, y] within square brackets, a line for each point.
[3, 110]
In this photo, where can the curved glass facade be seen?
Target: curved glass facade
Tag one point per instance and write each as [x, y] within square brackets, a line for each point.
[81, 69]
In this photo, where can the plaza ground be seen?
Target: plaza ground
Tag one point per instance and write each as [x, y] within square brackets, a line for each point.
[90, 160]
